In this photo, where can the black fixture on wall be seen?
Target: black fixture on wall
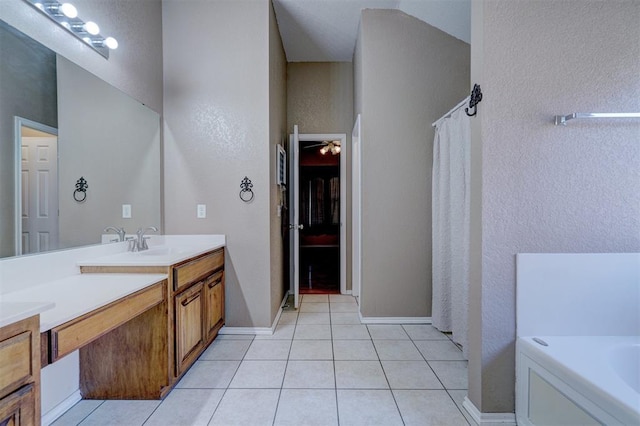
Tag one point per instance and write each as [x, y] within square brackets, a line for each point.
[80, 194]
[246, 193]
[475, 98]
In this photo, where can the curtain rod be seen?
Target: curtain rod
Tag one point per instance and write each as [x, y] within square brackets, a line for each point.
[459, 105]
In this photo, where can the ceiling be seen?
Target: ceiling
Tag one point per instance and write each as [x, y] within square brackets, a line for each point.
[326, 30]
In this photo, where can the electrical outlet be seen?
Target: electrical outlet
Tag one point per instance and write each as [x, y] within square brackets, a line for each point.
[126, 211]
[201, 211]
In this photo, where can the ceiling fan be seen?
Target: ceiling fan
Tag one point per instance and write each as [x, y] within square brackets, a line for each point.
[327, 146]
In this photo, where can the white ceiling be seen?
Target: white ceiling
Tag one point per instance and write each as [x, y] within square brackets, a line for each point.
[326, 30]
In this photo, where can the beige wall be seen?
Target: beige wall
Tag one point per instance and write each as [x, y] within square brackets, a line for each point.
[277, 135]
[135, 67]
[407, 74]
[320, 100]
[217, 131]
[546, 188]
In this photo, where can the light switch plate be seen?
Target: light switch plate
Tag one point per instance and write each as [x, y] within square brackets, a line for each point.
[126, 211]
[201, 211]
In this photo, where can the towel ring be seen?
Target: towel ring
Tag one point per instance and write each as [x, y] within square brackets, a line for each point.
[246, 193]
[80, 194]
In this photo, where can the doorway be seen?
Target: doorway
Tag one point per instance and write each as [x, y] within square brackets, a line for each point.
[36, 192]
[318, 204]
[319, 207]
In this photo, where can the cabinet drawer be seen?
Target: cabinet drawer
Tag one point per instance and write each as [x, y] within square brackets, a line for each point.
[74, 334]
[15, 353]
[186, 274]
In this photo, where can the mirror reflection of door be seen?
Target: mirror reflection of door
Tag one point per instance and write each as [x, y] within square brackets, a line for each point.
[38, 187]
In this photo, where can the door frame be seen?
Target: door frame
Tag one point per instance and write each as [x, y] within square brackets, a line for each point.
[356, 210]
[19, 122]
[294, 174]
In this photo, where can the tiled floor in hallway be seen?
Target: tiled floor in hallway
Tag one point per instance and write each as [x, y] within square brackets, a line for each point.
[320, 367]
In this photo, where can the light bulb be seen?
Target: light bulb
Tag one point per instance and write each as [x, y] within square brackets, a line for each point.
[111, 43]
[69, 10]
[91, 27]
[324, 150]
[336, 150]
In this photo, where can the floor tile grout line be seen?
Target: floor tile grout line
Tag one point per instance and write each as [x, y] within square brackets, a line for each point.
[454, 403]
[386, 378]
[85, 417]
[286, 365]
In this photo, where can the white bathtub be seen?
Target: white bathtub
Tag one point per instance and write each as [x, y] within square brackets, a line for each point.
[582, 380]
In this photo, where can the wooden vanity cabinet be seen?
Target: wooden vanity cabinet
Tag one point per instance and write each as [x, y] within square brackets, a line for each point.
[214, 305]
[20, 373]
[189, 332]
[199, 306]
[194, 315]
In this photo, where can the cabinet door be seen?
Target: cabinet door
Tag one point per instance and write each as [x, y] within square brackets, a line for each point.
[189, 310]
[18, 408]
[214, 302]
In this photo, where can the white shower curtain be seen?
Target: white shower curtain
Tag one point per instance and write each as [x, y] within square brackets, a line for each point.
[450, 208]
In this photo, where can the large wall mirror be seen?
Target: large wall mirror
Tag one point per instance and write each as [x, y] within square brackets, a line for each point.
[73, 151]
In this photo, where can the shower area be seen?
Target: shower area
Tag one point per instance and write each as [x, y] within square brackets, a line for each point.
[319, 209]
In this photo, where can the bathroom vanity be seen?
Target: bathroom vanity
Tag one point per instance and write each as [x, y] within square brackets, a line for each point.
[162, 344]
[133, 322]
[20, 373]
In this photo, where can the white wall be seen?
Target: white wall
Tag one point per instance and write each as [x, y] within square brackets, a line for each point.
[407, 74]
[546, 188]
[217, 131]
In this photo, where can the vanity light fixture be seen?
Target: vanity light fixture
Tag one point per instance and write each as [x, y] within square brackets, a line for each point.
[66, 15]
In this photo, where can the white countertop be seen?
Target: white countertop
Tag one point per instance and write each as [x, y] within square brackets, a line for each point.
[164, 250]
[11, 312]
[72, 296]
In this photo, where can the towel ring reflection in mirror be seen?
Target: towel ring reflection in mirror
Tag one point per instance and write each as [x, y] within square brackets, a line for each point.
[80, 194]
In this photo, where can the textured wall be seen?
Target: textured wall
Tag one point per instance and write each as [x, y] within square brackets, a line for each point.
[216, 114]
[28, 90]
[546, 188]
[320, 100]
[410, 74]
[135, 67]
[277, 135]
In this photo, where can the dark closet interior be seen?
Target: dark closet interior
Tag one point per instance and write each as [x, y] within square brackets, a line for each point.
[320, 214]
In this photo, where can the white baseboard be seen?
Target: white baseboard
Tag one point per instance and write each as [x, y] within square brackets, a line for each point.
[394, 320]
[61, 408]
[257, 330]
[488, 419]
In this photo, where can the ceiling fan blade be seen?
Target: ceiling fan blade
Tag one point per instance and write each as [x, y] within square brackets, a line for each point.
[313, 146]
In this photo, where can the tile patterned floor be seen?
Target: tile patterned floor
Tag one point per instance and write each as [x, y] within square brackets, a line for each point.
[320, 367]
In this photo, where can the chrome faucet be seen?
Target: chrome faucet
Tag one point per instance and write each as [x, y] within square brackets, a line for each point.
[141, 243]
[120, 231]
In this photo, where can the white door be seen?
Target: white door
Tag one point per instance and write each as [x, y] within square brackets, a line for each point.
[356, 211]
[294, 216]
[39, 192]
